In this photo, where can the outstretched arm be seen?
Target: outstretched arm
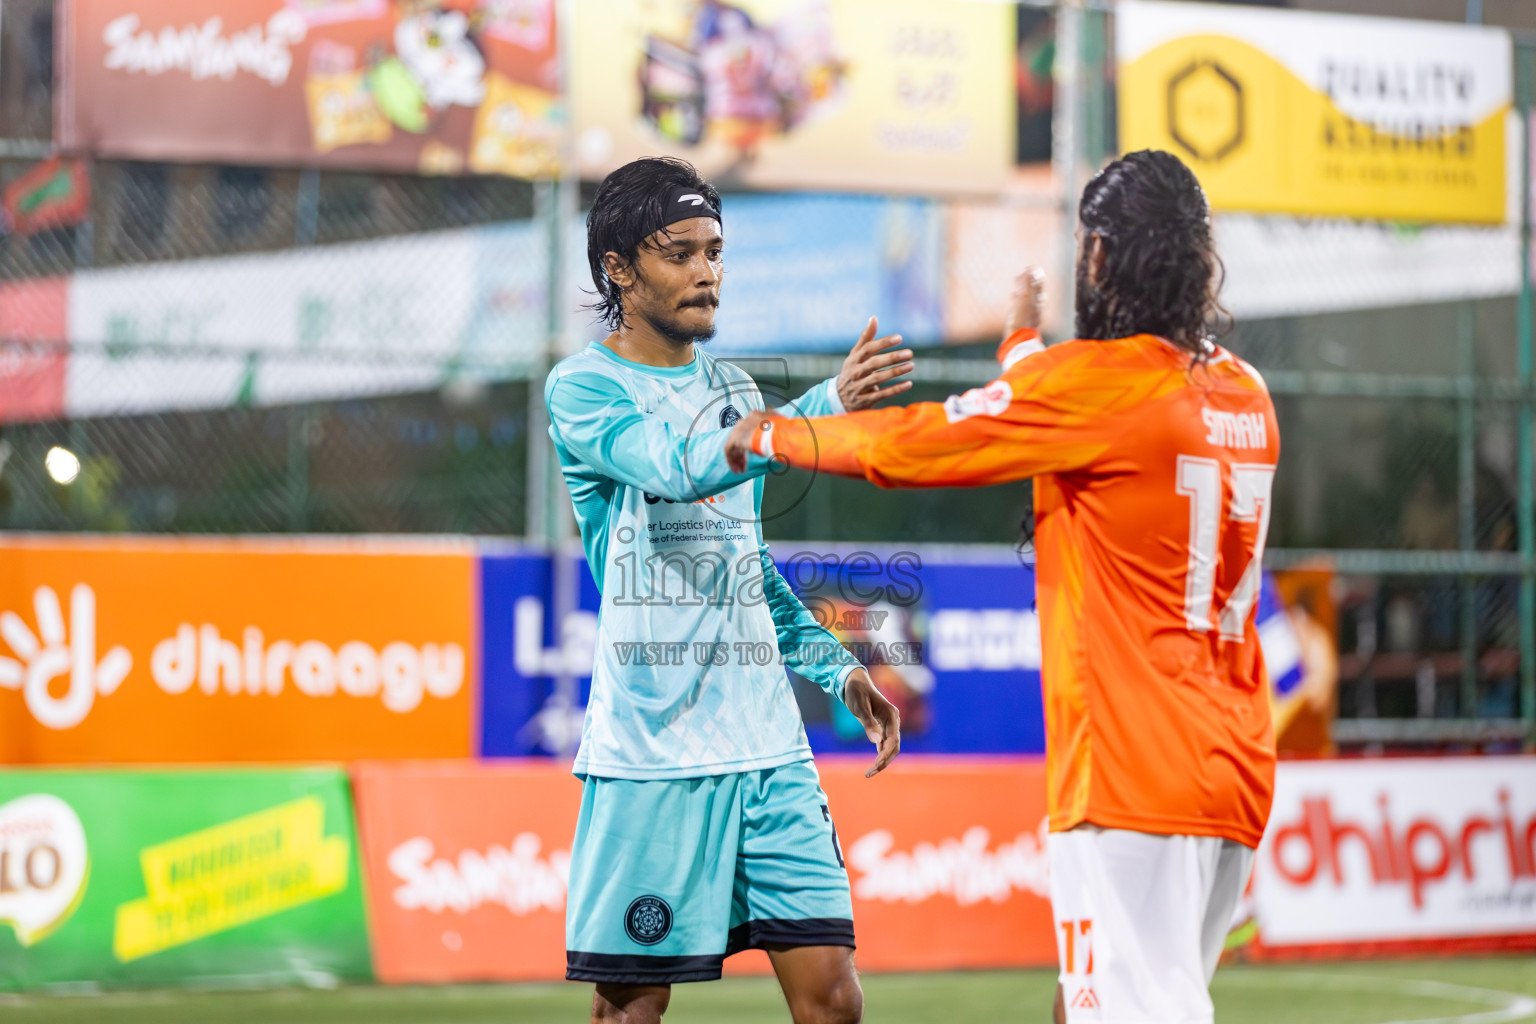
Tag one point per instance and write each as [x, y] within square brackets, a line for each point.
[949, 444]
[1046, 413]
[599, 423]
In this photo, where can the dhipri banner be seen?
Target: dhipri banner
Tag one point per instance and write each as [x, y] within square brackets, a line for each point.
[158, 877]
[861, 94]
[469, 865]
[1399, 854]
[1320, 114]
[443, 86]
[138, 650]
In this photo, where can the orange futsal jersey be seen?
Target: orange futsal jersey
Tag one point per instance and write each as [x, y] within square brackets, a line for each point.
[1152, 497]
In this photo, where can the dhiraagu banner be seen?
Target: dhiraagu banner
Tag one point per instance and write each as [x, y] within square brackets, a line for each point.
[168, 877]
[1320, 114]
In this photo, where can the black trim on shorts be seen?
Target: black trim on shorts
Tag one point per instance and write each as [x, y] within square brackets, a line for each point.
[639, 969]
[790, 934]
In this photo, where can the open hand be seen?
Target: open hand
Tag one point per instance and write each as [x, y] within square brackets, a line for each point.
[878, 716]
[1026, 301]
[868, 366]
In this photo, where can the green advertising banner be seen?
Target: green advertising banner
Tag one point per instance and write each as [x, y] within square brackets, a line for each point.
[167, 877]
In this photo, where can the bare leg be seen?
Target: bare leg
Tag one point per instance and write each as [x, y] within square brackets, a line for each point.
[630, 1004]
[820, 984]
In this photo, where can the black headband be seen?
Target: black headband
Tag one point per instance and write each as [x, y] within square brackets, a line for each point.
[684, 204]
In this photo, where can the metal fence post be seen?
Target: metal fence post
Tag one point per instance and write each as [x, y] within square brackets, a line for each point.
[1466, 495]
[536, 503]
[559, 523]
[299, 437]
[1065, 120]
[1527, 498]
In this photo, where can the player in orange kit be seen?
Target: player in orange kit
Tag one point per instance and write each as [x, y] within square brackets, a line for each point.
[1153, 451]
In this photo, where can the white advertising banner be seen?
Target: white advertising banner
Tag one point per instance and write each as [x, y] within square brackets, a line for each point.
[1273, 266]
[1387, 851]
[1290, 266]
[317, 322]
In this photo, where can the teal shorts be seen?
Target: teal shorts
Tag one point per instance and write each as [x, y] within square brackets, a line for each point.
[671, 876]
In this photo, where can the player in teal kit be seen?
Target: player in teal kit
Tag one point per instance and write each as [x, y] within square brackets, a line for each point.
[703, 828]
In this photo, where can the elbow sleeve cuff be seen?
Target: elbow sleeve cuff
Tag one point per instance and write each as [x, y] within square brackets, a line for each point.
[834, 400]
[762, 440]
[840, 680]
[1019, 345]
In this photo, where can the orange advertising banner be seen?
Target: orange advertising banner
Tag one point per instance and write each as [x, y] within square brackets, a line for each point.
[947, 861]
[200, 650]
[468, 866]
[428, 86]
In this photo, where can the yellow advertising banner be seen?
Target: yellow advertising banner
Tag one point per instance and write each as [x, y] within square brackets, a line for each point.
[846, 94]
[1320, 114]
[225, 876]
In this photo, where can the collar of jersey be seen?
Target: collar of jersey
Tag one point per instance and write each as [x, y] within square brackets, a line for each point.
[687, 369]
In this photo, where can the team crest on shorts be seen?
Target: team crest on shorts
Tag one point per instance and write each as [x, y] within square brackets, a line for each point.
[648, 920]
[728, 416]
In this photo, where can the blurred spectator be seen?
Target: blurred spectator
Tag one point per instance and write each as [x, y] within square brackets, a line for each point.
[1036, 88]
[885, 639]
[1297, 626]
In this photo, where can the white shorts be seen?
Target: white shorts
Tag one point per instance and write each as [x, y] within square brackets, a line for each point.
[1141, 920]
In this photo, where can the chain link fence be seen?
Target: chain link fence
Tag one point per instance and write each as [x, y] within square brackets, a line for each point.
[246, 350]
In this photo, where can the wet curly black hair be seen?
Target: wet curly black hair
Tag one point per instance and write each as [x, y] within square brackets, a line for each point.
[628, 205]
[1161, 273]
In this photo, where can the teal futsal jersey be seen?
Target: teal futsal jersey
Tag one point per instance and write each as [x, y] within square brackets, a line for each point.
[696, 624]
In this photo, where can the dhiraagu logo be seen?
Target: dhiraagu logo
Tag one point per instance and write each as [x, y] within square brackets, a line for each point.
[55, 666]
[231, 874]
[44, 864]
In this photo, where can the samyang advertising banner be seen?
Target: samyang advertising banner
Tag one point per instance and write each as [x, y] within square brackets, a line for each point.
[173, 877]
[903, 95]
[181, 650]
[469, 863]
[415, 86]
[947, 861]
[1320, 114]
[1411, 854]
[467, 867]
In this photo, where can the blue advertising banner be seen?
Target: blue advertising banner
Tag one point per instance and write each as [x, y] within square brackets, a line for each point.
[525, 653]
[804, 273]
[955, 645]
[950, 634]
